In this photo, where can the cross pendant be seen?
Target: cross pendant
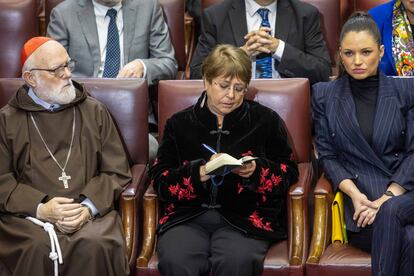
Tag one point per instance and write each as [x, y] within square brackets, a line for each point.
[64, 178]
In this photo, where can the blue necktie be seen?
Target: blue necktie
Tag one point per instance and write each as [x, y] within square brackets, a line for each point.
[264, 61]
[113, 52]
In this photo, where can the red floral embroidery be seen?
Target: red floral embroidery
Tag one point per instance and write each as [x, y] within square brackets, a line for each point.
[267, 184]
[185, 162]
[249, 152]
[239, 188]
[165, 173]
[276, 179]
[163, 219]
[170, 208]
[174, 189]
[264, 198]
[258, 222]
[283, 167]
[169, 211]
[183, 193]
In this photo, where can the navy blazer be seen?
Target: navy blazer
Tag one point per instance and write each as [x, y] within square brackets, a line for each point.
[343, 151]
[383, 17]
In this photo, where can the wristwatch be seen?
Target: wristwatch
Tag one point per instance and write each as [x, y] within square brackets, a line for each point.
[389, 193]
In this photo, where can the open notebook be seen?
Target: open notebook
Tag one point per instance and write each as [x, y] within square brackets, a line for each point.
[225, 163]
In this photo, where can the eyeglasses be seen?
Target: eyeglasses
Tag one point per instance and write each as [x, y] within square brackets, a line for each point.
[237, 88]
[59, 72]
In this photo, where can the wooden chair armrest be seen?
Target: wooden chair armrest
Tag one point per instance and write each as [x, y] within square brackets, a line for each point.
[190, 42]
[298, 215]
[150, 217]
[128, 206]
[322, 223]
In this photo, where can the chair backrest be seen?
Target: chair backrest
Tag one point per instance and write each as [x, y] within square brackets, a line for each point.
[49, 5]
[290, 98]
[365, 5]
[18, 23]
[174, 16]
[330, 23]
[126, 100]
[346, 8]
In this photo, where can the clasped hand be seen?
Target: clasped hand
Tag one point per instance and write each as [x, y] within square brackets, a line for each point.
[365, 210]
[260, 41]
[67, 216]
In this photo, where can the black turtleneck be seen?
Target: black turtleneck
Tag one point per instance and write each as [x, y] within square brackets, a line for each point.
[365, 94]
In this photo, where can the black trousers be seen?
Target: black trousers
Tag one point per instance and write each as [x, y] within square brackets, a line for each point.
[208, 243]
[393, 237]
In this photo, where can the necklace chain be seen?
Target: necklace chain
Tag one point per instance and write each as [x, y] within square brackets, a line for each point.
[47, 148]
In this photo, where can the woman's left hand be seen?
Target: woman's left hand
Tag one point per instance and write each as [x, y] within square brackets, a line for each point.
[246, 170]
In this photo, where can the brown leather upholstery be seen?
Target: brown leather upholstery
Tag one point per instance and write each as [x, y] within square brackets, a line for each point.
[174, 17]
[290, 98]
[49, 5]
[330, 24]
[346, 8]
[326, 258]
[18, 23]
[365, 5]
[127, 101]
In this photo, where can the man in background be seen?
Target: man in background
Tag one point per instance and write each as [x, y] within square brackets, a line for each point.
[282, 37]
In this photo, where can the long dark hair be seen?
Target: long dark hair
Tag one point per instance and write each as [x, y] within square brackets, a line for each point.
[359, 21]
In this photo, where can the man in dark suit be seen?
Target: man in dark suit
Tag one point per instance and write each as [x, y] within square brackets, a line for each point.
[292, 39]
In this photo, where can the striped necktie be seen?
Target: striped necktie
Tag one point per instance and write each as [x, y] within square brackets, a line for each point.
[113, 52]
[264, 61]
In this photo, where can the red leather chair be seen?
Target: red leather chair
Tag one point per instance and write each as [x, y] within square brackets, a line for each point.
[127, 101]
[19, 23]
[365, 5]
[290, 98]
[174, 17]
[330, 25]
[346, 8]
[326, 258]
[49, 5]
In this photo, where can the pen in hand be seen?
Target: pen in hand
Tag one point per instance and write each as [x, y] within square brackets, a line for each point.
[209, 148]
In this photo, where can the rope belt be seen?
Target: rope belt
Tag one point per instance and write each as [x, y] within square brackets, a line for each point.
[55, 253]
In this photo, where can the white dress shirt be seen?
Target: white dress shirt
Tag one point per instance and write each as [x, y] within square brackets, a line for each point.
[254, 20]
[102, 24]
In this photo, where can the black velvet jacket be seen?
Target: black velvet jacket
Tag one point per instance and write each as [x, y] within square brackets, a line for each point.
[256, 205]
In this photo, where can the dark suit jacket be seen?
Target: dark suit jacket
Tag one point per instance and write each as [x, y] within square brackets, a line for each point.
[297, 24]
[343, 151]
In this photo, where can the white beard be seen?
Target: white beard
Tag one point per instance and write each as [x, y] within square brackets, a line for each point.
[55, 96]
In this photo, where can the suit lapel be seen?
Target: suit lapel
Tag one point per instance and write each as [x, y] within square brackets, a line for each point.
[237, 15]
[284, 18]
[384, 114]
[129, 17]
[347, 121]
[86, 16]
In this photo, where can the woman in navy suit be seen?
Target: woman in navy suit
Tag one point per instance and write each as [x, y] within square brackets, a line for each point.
[364, 126]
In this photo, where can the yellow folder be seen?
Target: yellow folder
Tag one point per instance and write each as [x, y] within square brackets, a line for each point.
[338, 219]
